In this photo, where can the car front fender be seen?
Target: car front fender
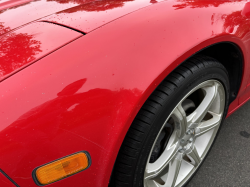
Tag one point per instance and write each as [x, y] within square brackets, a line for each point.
[85, 95]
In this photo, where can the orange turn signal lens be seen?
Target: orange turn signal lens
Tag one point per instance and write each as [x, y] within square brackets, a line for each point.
[62, 168]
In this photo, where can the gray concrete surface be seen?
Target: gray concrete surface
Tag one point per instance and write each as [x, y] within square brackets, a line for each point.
[228, 163]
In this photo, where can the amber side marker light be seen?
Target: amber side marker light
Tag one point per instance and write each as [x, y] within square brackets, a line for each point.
[61, 168]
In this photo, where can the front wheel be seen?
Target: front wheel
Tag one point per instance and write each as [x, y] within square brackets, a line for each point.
[176, 127]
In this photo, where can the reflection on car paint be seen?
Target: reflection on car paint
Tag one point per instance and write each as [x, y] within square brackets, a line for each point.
[25, 13]
[201, 3]
[83, 17]
[25, 45]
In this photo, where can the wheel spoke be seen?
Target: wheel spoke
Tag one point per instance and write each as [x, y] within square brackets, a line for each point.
[173, 140]
[206, 126]
[180, 119]
[154, 169]
[174, 168]
[195, 118]
[194, 156]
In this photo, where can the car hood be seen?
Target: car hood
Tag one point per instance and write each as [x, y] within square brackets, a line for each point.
[26, 34]
[89, 16]
[82, 15]
[15, 13]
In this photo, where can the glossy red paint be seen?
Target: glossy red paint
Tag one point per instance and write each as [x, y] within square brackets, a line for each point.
[5, 181]
[85, 95]
[90, 16]
[11, 3]
[30, 43]
[15, 13]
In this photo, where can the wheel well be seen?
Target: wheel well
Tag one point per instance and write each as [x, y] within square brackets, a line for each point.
[231, 57]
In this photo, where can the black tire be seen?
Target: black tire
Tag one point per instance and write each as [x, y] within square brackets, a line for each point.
[135, 150]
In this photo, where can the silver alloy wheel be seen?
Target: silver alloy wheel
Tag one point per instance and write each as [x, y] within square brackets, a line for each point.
[191, 139]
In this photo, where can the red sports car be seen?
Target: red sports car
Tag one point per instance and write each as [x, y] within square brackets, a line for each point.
[121, 93]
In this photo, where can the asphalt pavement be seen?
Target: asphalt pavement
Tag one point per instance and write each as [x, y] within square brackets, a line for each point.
[228, 163]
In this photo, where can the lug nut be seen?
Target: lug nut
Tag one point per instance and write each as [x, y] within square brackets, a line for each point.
[190, 140]
[189, 131]
[182, 141]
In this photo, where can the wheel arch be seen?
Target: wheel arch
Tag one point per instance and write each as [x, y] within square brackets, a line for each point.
[230, 55]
